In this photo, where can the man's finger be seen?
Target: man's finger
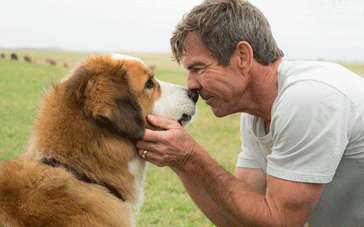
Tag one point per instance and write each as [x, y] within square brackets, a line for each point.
[142, 145]
[151, 136]
[161, 122]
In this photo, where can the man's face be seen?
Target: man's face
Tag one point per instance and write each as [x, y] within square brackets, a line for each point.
[221, 87]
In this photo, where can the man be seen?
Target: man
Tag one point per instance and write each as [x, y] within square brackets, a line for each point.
[302, 126]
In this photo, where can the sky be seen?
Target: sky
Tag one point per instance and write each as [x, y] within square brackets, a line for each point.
[304, 29]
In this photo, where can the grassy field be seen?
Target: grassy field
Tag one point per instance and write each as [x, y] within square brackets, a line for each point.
[166, 204]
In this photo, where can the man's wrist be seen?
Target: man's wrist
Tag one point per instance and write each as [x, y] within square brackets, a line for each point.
[198, 162]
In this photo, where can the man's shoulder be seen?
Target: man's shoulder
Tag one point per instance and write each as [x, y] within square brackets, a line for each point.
[292, 67]
[327, 74]
[292, 71]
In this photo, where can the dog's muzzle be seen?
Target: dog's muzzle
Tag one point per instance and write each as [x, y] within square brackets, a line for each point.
[193, 94]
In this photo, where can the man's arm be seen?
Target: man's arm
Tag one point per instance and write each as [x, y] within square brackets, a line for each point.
[285, 203]
[255, 177]
[203, 200]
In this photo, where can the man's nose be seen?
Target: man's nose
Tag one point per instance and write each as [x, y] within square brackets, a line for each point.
[192, 82]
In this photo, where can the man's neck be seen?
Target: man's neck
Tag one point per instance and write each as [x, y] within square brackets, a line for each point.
[264, 89]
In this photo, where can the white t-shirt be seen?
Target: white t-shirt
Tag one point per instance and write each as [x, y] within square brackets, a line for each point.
[316, 136]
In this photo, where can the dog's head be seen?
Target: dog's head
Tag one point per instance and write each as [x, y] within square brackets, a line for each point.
[90, 120]
[118, 92]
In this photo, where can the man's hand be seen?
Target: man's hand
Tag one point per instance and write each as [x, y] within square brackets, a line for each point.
[173, 147]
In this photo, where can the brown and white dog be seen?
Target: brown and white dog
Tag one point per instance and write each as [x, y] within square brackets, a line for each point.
[87, 170]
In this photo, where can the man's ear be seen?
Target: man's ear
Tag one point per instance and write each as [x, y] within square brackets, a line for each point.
[124, 118]
[246, 56]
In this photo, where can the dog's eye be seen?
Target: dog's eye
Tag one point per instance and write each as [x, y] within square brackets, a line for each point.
[150, 84]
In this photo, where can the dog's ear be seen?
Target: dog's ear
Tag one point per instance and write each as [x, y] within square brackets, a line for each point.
[107, 99]
[124, 117]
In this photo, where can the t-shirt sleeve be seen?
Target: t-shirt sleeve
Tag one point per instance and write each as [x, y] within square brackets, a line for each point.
[310, 128]
[246, 158]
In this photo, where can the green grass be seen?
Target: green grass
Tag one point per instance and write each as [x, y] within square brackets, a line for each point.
[20, 88]
[166, 202]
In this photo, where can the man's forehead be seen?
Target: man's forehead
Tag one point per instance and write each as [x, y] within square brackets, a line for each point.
[194, 52]
[192, 40]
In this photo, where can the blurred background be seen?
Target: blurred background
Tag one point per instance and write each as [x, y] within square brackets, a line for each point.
[306, 30]
[48, 38]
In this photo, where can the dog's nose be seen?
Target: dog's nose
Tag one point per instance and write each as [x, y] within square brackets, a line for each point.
[193, 94]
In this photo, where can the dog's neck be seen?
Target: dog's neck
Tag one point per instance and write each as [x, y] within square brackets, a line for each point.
[80, 176]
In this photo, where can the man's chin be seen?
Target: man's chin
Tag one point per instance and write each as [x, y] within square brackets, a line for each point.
[218, 112]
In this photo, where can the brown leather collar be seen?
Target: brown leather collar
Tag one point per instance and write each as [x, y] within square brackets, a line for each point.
[80, 176]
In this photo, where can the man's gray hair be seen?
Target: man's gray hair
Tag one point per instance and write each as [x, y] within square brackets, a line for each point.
[221, 25]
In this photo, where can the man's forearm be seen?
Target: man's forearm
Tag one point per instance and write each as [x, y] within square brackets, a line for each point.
[243, 204]
[203, 200]
[286, 203]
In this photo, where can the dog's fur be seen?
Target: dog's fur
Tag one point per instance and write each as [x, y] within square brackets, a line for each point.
[87, 127]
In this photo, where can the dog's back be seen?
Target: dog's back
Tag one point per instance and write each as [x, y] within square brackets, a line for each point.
[35, 194]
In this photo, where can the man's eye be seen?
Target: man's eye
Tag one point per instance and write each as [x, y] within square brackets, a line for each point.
[198, 70]
[150, 84]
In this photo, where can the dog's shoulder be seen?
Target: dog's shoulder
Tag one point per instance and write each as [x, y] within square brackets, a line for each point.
[35, 194]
